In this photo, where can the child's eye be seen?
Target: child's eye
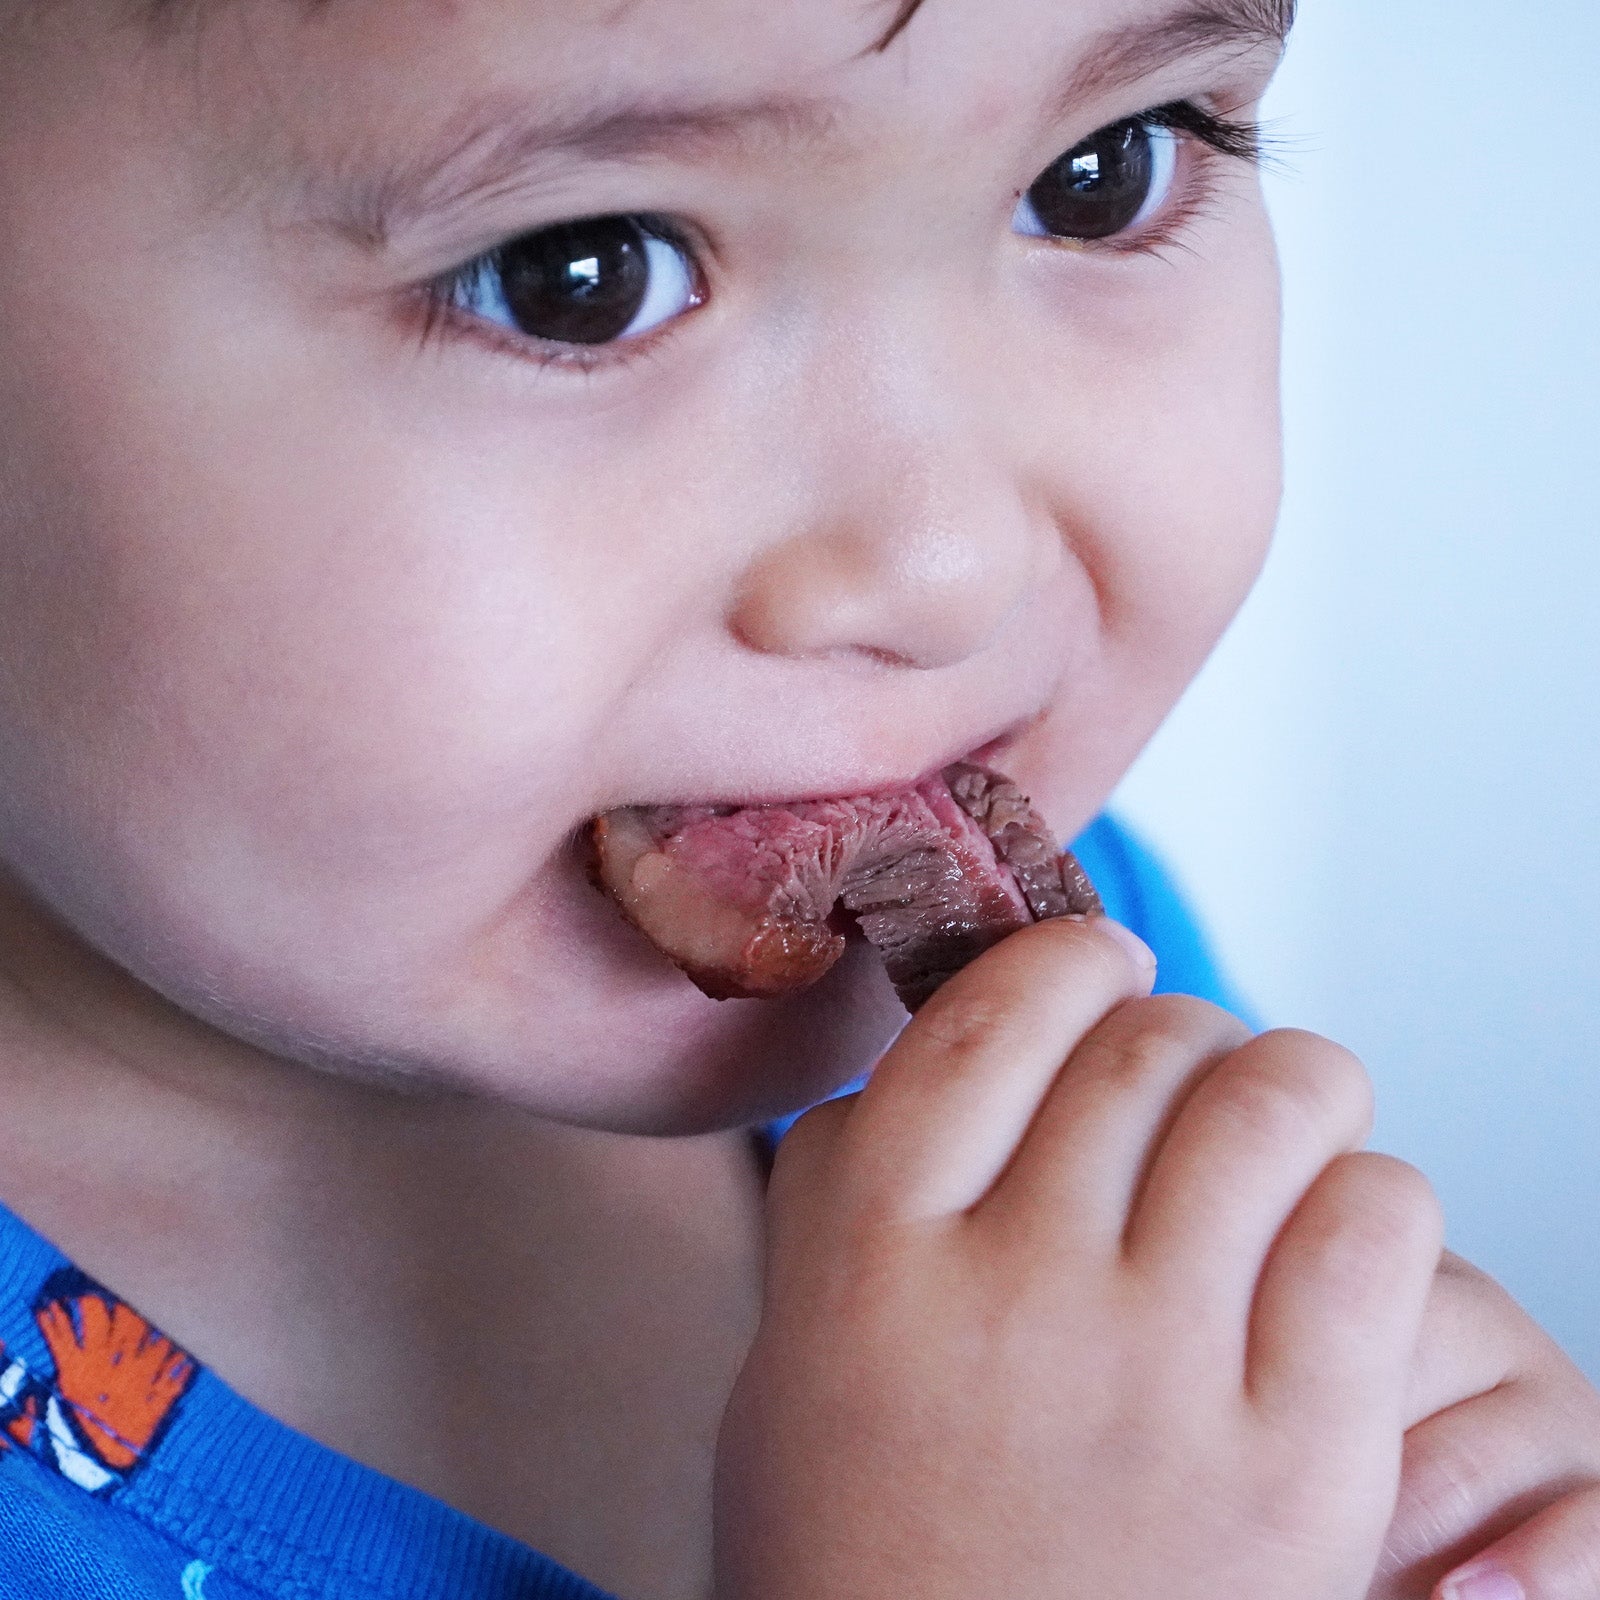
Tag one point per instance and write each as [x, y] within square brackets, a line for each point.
[1113, 181]
[1122, 177]
[592, 282]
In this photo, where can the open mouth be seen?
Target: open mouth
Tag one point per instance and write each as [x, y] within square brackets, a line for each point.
[754, 901]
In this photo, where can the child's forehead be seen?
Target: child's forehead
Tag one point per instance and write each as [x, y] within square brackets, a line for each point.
[645, 39]
[393, 69]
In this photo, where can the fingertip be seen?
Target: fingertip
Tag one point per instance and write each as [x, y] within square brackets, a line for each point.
[1102, 936]
[1412, 1204]
[1553, 1556]
[1136, 950]
[1481, 1582]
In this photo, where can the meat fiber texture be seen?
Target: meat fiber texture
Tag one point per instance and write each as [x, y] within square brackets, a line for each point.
[756, 901]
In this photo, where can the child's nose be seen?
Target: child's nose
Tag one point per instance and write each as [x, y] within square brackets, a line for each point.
[917, 553]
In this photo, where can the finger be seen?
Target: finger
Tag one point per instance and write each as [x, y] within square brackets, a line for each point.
[1244, 1149]
[947, 1106]
[1474, 1336]
[1475, 1470]
[1553, 1556]
[1087, 1153]
[1340, 1302]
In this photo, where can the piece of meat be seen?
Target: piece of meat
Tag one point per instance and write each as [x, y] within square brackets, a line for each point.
[750, 901]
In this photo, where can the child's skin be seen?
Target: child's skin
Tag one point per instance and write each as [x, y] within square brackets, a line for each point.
[328, 622]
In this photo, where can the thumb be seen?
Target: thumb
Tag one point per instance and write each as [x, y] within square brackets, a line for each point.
[1553, 1556]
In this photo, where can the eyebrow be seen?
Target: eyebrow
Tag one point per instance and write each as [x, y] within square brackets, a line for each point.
[490, 147]
[1125, 55]
[905, 10]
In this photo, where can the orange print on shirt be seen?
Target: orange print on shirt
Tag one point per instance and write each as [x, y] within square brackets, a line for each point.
[20, 1427]
[117, 1374]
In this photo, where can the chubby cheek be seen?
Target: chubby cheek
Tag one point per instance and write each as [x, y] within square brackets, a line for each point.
[311, 704]
[285, 691]
[1171, 483]
[302, 677]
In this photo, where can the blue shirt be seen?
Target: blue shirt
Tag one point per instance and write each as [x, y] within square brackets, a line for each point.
[129, 1472]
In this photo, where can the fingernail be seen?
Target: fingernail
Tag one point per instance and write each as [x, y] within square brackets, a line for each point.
[1142, 956]
[1482, 1583]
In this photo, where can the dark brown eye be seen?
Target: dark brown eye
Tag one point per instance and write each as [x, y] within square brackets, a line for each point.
[1103, 187]
[590, 282]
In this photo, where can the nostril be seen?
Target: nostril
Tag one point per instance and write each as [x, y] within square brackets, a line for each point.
[875, 653]
[871, 655]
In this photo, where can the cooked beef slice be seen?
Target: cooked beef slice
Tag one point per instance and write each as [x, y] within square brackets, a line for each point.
[749, 900]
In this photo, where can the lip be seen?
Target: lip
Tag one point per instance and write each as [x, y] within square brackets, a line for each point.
[994, 752]
[990, 752]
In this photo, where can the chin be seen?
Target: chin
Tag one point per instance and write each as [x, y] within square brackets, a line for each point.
[654, 1056]
[771, 1058]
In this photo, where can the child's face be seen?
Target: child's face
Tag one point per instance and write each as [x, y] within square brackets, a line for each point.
[330, 622]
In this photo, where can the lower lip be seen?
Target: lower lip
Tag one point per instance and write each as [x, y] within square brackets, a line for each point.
[988, 755]
[993, 754]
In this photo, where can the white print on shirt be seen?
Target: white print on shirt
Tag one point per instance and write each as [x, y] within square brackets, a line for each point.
[194, 1580]
[72, 1461]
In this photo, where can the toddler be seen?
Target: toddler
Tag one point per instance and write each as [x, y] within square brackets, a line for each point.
[426, 425]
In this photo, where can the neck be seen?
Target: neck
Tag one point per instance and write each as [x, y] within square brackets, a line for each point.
[573, 1304]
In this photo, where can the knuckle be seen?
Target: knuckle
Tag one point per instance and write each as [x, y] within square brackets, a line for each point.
[1397, 1194]
[1382, 1209]
[1339, 1071]
[1267, 1109]
[1142, 1040]
[1182, 1020]
[1291, 1085]
[961, 1025]
[1268, 1105]
[1136, 1037]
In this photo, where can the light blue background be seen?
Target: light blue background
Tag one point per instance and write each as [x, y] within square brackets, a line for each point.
[1385, 790]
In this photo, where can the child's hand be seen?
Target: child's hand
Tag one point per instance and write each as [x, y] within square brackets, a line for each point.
[1140, 1324]
[1503, 1473]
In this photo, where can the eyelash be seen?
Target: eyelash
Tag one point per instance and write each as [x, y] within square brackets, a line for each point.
[1216, 138]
